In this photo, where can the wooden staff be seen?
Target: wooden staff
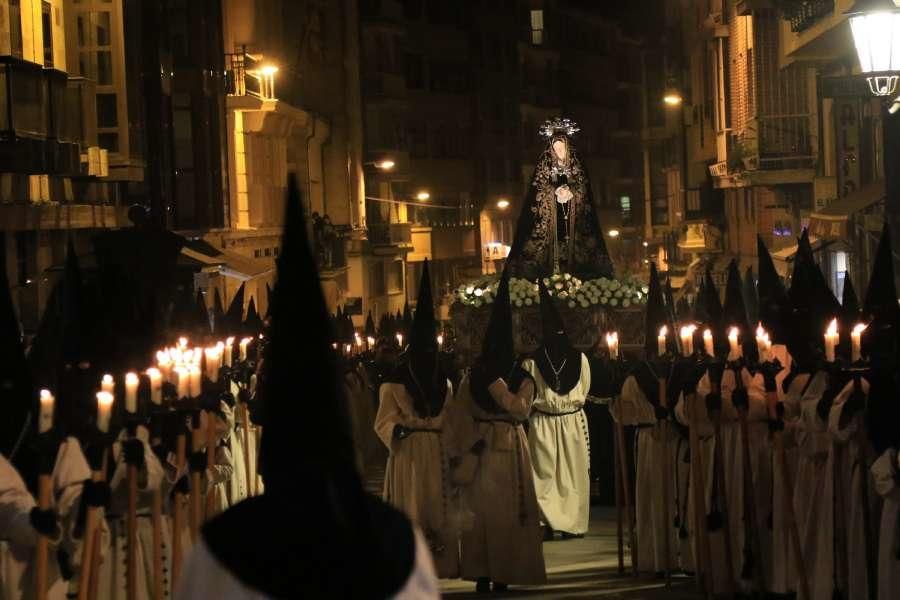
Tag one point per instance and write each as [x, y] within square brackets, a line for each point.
[698, 489]
[90, 554]
[156, 523]
[245, 426]
[210, 460]
[719, 492]
[666, 482]
[787, 494]
[868, 538]
[131, 518]
[626, 492]
[618, 480]
[259, 433]
[40, 559]
[178, 504]
[197, 441]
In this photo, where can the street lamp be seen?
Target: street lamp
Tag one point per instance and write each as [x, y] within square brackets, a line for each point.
[502, 203]
[385, 165]
[875, 25]
[613, 233]
[673, 98]
[422, 196]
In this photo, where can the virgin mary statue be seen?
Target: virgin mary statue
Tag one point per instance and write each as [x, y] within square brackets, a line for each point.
[558, 229]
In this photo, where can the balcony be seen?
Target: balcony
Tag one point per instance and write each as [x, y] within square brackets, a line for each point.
[390, 234]
[803, 15]
[246, 75]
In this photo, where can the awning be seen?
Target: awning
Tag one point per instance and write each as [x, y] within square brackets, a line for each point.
[831, 222]
[208, 258]
[785, 257]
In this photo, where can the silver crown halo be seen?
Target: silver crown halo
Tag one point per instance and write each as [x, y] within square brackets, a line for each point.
[558, 125]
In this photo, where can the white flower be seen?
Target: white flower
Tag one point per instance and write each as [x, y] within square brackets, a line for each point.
[479, 292]
[571, 304]
[645, 289]
[604, 300]
[558, 286]
[470, 289]
[584, 303]
[563, 294]
[613, 302]
[568, 277]
[476, 303]
[618, 293]
[518, 303]
[626, 303]
[528, 301]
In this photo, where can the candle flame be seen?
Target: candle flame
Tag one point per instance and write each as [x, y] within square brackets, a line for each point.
[371, 340]
[733, 333]
[131, 378]
[663, 331]
[229, 341]
[153, 373]
[163, 357]
[707, 333]
[760, 332]
[104, 399]
[832, 327]
[612, 338]
[46, 396]
[859, 328]
[107, 379]
[183, 342]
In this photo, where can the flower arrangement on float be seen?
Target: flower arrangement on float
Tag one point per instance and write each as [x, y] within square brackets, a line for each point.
[611, 293]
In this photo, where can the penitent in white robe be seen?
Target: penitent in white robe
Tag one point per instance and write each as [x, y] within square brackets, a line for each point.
[858, 456]
[504, 541]
[205, 577]
[416, 478]
[886, 474]
[560, 451]
[632, 409]
[112, 572]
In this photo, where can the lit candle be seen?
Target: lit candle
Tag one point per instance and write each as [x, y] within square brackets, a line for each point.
[45, 422]
[687, 340]
[856, 342]
[348, 349]
[735, 351]
[244, 343]
[182, 342]
[155, 377]
[708, 343]
[196, 357]
[107, 384]
[131, 391]
[400, 339]
[370, 341]
[661, 340]
[229, 351]
[104, 410]
[196, 380]
[831, 340]
[761, 337]
[182, 381]
[213, 363]
[164, 364]
[440, 341]
[612, 342]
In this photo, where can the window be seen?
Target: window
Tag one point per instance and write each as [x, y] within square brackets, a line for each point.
[839, 267]
[109, 141]
[47, 30]
[537, 27]
[15, 28]
[107, 111]
[625, 207]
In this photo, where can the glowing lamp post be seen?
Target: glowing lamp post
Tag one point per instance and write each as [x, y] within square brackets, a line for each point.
[876, 33]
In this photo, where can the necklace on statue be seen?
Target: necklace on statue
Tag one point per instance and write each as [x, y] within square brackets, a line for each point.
[556, 372]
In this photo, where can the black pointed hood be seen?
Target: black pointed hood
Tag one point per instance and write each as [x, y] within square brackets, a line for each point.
[253, 324]
[655, 316]
[715, 316]
[804, 339]
[268, 302]
[234, 317]
[699, 313]
[370, 325]
[352, 531]
[751, 298]
[202, 328]
[774, 305]
[880, 305]
[219, 325]
[556, 353]
[17, 397]
[734, 312]
[423, 330]
[849, 302]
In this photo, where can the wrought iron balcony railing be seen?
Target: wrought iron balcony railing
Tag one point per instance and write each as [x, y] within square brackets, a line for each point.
[803, 14]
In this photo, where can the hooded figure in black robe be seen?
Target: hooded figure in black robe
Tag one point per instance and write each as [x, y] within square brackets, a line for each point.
[774, 305]
[751, 297]
[314, 532]
[558, 433]
[558, 229]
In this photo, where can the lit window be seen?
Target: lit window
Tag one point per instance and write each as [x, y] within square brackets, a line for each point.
[625, 206]
[537, 27]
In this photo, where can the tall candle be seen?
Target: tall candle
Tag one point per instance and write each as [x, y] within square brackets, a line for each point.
[708, 343]
[440, 341]
[856, 342]
[213, 363]
[229, 351]
[107, 384]
[183, 382]
[761, 343]
[735, 351]
[612, 342]
[104, 410]
[156, 380]
[661, 340]
[182, 342]
[164, 364]
[831, 340]
[400, 339]
[687, 340]
[370, 341]
[244, 343]
[196, 380]
[131, 392]
[45, 422]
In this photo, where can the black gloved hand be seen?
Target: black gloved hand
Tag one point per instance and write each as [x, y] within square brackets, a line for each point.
[770, 371]
[740, 399]
[183, 485]
[44, 522]
[400, 432]
[776, 425]
[133, 451]
[95, 493]
[692, 373]
[197, 462]
[661, 412]
[713, 403]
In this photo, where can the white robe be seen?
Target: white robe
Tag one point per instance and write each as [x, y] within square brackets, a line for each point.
[416, 478]
[16, 560]
[632, 409]
[560, 451]
[886, 473]
[858, 458]
[112, 572]
[205, 577]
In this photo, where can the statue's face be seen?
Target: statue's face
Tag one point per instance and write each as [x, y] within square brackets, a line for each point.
[560, 149]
